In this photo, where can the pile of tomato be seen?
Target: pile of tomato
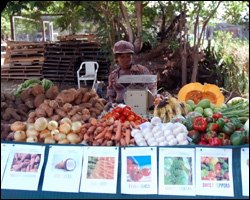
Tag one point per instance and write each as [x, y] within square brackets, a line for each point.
[135, 173]
[125, 114]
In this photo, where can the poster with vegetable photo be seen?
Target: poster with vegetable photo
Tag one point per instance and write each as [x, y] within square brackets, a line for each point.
[139, 169]
[24, 167]
[100, 168]
[214, 172]
[5, 151]
[176, 171]
[63, 168]
[245, 171]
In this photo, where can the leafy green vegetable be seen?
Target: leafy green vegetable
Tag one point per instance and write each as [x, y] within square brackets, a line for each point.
[178, 173]
[46, 83]
[25, 85]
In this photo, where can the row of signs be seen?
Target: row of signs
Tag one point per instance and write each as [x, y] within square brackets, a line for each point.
[177, 171]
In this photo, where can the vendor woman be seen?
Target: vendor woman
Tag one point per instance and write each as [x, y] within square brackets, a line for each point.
[123, 52]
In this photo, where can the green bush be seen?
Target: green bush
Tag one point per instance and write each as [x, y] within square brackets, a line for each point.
[232, 55]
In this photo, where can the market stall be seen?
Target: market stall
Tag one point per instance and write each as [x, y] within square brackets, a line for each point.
[74, 144]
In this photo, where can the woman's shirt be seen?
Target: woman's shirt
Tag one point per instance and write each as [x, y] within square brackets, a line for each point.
[116, 91]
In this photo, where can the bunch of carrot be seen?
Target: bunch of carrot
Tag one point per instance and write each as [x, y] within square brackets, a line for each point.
[107, 132]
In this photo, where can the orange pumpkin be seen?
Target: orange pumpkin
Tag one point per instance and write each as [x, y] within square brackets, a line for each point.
[196, 91]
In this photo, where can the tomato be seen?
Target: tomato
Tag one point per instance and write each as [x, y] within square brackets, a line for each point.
[118, 109]
[145, 171]
[126, 112]
[115, 115]
[131, 118]
[122, 118]
[137, 117]
[136, 175]
[131, 168]
[127, 107]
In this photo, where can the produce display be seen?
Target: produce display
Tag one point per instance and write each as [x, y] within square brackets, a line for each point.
[39, 112]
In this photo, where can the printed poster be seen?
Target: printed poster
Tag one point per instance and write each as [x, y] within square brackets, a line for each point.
[245, 171]
[63, 169]
[100, 168]
[139, 170]
[214, 172]
[24, 167]
[177, 171]
[5, 151]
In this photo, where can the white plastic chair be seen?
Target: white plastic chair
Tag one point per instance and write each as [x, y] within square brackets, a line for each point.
[91, 69]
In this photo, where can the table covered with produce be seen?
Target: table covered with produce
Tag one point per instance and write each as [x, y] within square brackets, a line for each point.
[194, 144]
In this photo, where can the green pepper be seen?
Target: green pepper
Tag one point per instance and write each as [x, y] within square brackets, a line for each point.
[220, 123]
[237, 123]
[189, 123]
[228, 128]
[195, 135]
[238, 138]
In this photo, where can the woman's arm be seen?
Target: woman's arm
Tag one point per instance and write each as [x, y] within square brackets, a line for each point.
[111, 93]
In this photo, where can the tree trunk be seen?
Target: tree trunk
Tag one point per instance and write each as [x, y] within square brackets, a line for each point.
[184, 59]
[138, 39]
[126, 19]
[195, 66]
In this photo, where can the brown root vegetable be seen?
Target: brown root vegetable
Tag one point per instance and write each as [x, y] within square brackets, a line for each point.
[85, 105]
[6, 116]
[26, 94]
[22, 107]
[86, 97]
[95, 110]
[5, 128]
[30, 102]
[74, 110]
[56, 118]
[53, 104]
[9, 97]
[13, 113]
[86, 117]
[4, 105]
[67, 107]
[39, 99]
[61, 112]
[98, 106]
[76, 117]
[66, 96]
[40, 112]
[52, 92]
[79, 95]
[93, 93]
[31, 119]
[37, 89]
[32, 114]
